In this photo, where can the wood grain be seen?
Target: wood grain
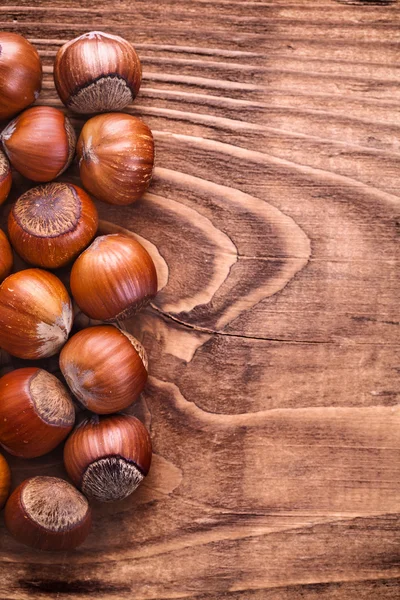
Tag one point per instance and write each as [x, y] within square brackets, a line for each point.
[273, 218]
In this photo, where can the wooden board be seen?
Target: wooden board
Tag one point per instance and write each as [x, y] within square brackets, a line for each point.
[273, 396]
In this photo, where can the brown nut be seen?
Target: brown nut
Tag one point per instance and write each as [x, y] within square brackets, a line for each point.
[105, 368]
[51, 224]
[40, 143]
[97, 72]
[113, 278]
[35, 314]
[116, 157]
[5, 480]
[6, 256]
[5, 177]
[108, 457]
[49, 514]
[36, 412]
[20, 74]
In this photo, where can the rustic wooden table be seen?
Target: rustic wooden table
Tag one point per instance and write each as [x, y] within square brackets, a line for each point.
[272, 400]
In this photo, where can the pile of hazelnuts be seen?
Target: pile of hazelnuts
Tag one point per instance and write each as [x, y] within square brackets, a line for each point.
[101, 280]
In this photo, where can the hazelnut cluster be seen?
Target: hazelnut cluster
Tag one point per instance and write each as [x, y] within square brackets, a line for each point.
[108, 278]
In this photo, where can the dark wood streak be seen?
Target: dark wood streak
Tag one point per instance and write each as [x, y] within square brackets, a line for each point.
[83, 587]
[273, 217]
[367, 2]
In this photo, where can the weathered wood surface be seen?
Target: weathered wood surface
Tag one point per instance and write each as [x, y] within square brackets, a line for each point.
[274, 342]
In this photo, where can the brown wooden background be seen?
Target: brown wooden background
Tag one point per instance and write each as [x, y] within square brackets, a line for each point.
[274, 343]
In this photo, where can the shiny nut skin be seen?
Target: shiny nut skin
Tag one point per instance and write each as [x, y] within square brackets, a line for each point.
[20, 74]
[6, 256]
[5, 177]
[97, 72]
[51, 224]
[40, 143]
[105, 368]
[113, 278]
[48, 513]
[35, 314]
[5, 480]
[36, 412]
[108, 457]
[116, 157]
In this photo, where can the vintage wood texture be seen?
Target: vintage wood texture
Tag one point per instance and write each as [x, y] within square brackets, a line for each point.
[273, 396]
